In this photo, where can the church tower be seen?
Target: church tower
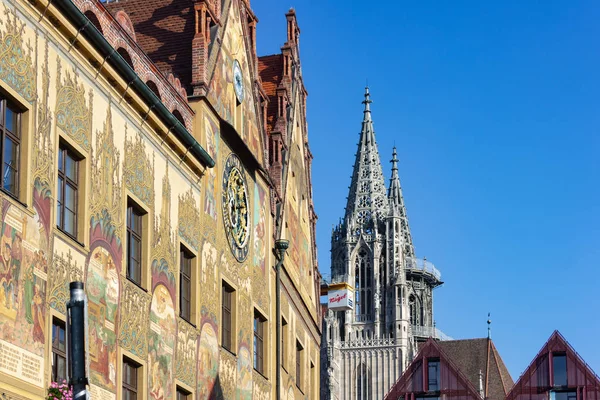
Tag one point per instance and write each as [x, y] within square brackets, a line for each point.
[365, 350]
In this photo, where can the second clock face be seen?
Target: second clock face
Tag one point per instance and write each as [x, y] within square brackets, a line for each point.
[238, 81]
[236, 216]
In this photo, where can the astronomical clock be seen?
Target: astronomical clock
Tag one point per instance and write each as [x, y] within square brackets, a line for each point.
[236, 214]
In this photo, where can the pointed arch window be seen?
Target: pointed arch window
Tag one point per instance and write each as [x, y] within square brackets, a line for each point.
[363, 276]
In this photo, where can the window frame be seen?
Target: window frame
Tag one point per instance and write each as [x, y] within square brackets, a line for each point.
[435, 364]
[186, 258]
[565, 382]
[259, 329]
[65, 150]
[299, 374]
[58, 323]
[227, 308]
[131, 388]
[180, 391]
[135, 211]
[16, 138]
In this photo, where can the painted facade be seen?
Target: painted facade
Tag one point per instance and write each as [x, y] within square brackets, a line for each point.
[72, 96]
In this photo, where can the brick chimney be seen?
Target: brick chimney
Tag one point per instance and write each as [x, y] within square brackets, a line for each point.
[205, 12]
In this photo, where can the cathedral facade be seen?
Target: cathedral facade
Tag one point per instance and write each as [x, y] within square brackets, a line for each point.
[146, 152]
[366, 349]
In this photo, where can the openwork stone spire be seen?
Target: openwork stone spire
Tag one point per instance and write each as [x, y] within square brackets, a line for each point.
[367, 198]
[397, 203]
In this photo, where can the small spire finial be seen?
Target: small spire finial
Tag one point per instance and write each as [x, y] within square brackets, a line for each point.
[394, 159]
[489, 323]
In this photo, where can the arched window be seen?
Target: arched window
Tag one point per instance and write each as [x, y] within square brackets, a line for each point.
[363, 278]
[93, 19]
[413, 309]
[179, 117]
[154, 88]
[123, 53]
[363, 382]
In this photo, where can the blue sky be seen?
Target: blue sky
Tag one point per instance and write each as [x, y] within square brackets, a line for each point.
[493, 107]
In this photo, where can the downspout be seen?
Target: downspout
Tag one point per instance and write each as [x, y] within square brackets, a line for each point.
[81, 23]
[281, 246]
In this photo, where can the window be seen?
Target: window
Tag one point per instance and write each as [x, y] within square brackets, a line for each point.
[284, 339]
[314, 389]
[134, 243]
[559, 369]
[68, 186]
[10, 130]
[183, 394]
[226, 316]
[59, 351]
[433, 375]
[299, 365]
[259, 329]
[363, 381]
[362, 282]
[563, 395]
[185, 284]
[130, 379]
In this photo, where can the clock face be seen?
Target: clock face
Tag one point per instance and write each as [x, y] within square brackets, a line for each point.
[238, 81]
[236, 214]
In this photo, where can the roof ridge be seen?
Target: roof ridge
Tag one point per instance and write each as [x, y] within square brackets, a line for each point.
[496, 357]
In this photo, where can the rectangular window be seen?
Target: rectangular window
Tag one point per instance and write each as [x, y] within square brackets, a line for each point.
[433, 375]
[299, 365]
[259, 329]
[134, 243]
[563, 395]
[559, 368]
[185, 284]
[59, 351]
[226, 316]
[68, 186]
[131, 370]
[284, 339]
[183, 394]
[10, 132]
[314, 389]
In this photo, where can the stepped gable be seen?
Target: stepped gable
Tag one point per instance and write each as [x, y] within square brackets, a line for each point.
[270, 69]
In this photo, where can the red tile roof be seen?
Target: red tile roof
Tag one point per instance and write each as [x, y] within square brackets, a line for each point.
[270, 69]
[164, 29]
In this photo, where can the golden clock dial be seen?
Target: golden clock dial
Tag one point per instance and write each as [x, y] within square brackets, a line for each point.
[236, 210]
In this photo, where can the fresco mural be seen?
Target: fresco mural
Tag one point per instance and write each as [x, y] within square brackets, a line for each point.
[221, 92]
[161, 342]
[260, 227]
[211, 131]
[244, 374]
[23, 276]
[103, 297]
[293, 231]
[208, 356]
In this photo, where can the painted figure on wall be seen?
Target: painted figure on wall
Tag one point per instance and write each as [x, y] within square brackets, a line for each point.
[212, 147]
[161, 342]
[244, 373]
[260, 227]
[208, 359]
[209, 268]
[23, 275]
[103, 294]
[293, 232]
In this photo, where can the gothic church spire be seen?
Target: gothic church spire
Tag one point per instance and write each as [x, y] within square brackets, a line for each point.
[398, 208]
[366, 199]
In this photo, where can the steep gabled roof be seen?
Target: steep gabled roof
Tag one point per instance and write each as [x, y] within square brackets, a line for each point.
[475, 355]
[270, 70]
[164, 30]
[454, 385]
[537, 379]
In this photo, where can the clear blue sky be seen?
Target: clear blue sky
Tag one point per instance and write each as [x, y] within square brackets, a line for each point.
[494, 108]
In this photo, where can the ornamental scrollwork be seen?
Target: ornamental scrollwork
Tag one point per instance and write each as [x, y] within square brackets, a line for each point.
[138, 169]
[135, 305]
[189, 219]
[16, 63]
[186, 353]
[73, 115]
